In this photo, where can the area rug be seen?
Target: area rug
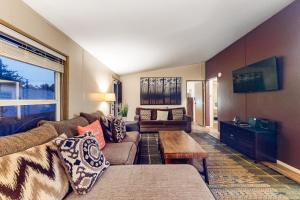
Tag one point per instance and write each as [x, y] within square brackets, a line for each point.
[232, 175]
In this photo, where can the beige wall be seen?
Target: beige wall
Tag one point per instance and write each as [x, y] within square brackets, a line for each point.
[131, 83]
[87, 74]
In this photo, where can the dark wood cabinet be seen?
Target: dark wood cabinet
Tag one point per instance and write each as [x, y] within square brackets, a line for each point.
[258, 144]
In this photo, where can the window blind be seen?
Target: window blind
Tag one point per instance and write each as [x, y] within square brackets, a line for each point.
[17, 49]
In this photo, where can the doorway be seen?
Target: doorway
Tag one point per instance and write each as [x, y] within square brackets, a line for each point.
[213, 103]
[195, 101]
[117, 88]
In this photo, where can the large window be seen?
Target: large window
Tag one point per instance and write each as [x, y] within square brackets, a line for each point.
[28, 94]
[29, 86]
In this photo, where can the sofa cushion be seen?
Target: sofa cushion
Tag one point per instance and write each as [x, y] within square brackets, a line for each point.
[133, 136]
[136, 182]
[175, 123]
[91, 117]
[120, 153]
[22, 141]
[69, 127]
[36, 173]
[152, 122]
[83, 161]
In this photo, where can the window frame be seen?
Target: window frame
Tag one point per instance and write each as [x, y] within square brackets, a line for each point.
[27, 102]
[61, 75]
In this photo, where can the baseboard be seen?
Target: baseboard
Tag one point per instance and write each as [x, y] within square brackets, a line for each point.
[288, 167]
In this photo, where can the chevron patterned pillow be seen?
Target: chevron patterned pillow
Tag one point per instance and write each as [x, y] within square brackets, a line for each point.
[83, 161]
[36, 173]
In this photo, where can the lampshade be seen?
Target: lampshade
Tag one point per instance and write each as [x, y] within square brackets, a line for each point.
[103, 97]
[110, 97]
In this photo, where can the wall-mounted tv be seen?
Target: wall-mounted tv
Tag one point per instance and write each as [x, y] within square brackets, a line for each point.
[257, 77]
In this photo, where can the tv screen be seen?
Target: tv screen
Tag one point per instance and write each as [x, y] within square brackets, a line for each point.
[257, 77]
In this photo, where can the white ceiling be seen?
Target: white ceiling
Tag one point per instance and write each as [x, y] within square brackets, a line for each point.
[136, 35]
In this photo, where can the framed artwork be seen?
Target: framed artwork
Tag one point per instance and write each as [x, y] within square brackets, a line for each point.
[160, 91]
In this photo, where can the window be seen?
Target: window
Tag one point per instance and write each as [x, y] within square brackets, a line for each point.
[29, 86]
[28, 94]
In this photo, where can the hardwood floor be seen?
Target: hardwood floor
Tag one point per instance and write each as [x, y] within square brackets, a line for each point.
[284, 171]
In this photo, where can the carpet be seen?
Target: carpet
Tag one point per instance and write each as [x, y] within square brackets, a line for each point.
[232, 175]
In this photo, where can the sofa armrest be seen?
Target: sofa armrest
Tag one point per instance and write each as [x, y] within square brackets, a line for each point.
[136, 118]
[187, 118]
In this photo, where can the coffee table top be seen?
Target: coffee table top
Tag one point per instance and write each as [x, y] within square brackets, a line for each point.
[179, 145]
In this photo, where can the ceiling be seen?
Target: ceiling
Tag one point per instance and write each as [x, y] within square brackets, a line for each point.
[136, 35]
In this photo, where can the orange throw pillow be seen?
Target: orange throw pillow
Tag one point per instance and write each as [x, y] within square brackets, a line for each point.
[96, 130]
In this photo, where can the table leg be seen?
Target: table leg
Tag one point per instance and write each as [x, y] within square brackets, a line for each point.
[205, 171]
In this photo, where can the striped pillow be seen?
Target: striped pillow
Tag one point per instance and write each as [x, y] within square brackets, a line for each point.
[36, 173]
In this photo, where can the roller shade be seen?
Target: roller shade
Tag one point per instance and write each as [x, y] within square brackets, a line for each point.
[16, 53]
[18, 47]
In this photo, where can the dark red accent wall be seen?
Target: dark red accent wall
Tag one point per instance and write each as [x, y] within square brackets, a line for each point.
[278, 36]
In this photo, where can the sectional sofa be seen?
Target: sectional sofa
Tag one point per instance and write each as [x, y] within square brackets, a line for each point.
[122, 180]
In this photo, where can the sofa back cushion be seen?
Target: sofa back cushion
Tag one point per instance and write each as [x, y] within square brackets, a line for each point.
[91, 117]
[22, 141]
[69, 127]
[36, 173]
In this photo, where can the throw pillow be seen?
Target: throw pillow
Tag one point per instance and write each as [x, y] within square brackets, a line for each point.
[83, 161]
[96, 130]
[106, 127]
[177, 114]
[118, 129]
[162, 115]
[145, 114]
[36, 173]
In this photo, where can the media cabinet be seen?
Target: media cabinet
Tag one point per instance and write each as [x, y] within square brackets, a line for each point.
[258, 144]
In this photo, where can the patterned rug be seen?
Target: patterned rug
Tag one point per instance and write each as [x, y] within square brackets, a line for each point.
[232, 175]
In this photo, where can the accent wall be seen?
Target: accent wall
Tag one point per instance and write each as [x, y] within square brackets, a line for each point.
[278, 36]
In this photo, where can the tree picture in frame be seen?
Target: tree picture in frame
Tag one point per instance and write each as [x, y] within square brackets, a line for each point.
[160, 91]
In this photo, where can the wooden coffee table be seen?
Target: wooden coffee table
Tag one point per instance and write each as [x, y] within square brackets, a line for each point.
[179, 147]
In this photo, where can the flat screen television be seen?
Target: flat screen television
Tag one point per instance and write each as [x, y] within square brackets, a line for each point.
[257, 77]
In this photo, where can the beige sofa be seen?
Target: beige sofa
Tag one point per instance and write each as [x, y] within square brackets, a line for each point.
[123, 181]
